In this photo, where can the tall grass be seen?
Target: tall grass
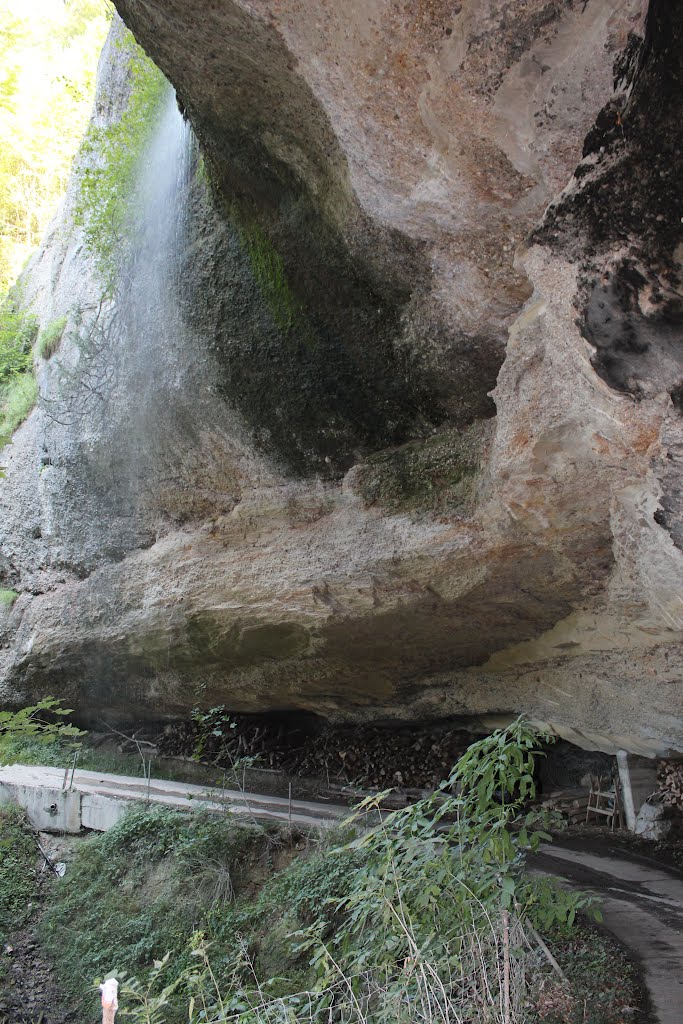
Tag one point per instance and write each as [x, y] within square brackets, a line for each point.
[487, 979]
[50, 338]
[17, 399]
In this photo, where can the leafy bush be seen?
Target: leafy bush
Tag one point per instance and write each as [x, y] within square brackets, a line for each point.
[8, 597]
[438, 908]
[140, 890]
[40, 722]
[50, 338]
[429, 906]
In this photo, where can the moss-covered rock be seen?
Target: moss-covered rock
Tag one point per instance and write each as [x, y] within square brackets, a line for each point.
[435, 475]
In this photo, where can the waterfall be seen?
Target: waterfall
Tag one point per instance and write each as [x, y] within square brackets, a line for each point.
[151, 353]
[150, 301]
[164, 191]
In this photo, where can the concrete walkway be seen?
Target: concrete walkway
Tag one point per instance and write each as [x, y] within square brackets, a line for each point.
[56, 802]
[642, 905]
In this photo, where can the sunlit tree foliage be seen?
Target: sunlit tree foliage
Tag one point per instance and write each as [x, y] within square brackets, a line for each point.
[48, 63]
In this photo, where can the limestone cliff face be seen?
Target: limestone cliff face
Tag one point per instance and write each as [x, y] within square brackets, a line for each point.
[390, 423]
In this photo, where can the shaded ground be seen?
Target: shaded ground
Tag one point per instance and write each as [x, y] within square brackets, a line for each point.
[29, 992]
[665, 853]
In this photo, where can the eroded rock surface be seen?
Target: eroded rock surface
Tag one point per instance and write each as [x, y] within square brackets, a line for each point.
[428, 461]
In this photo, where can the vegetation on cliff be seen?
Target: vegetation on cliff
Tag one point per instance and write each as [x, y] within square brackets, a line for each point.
[108, 172]
[109, 164]
[437, 474]
[18, 332]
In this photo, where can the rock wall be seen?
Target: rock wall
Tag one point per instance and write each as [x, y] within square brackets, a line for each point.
[401, 435]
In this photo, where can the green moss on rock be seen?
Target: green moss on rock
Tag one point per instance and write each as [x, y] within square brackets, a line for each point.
[108, 172]
[435, 475]
[269, 273]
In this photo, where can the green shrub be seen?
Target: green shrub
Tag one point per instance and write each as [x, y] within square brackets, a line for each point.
[50, 338]
[441, 873]
[417, 910]
[17, 399]
[18, 330]
[138, 891]
[8, 597]
[312, 887]
[41, 722]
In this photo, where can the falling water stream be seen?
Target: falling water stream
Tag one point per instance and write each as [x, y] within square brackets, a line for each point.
[161, 230]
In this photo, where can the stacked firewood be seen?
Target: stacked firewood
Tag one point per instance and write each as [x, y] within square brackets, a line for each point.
[571, 803]
[670, 779]
[370, 756]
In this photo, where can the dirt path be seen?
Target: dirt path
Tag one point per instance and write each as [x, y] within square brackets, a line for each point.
[642, 905]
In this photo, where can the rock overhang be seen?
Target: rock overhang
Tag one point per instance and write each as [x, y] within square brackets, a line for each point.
[394, 157]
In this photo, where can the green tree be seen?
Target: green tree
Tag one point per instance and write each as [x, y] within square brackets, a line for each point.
[48, 58]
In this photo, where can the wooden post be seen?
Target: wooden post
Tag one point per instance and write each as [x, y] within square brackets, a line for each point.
[506, 967]
[627, 792]
[110, 1002]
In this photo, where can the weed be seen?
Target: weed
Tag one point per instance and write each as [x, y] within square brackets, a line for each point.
[138, 891]
[8, 597]
[311, 888]
[50, 338]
